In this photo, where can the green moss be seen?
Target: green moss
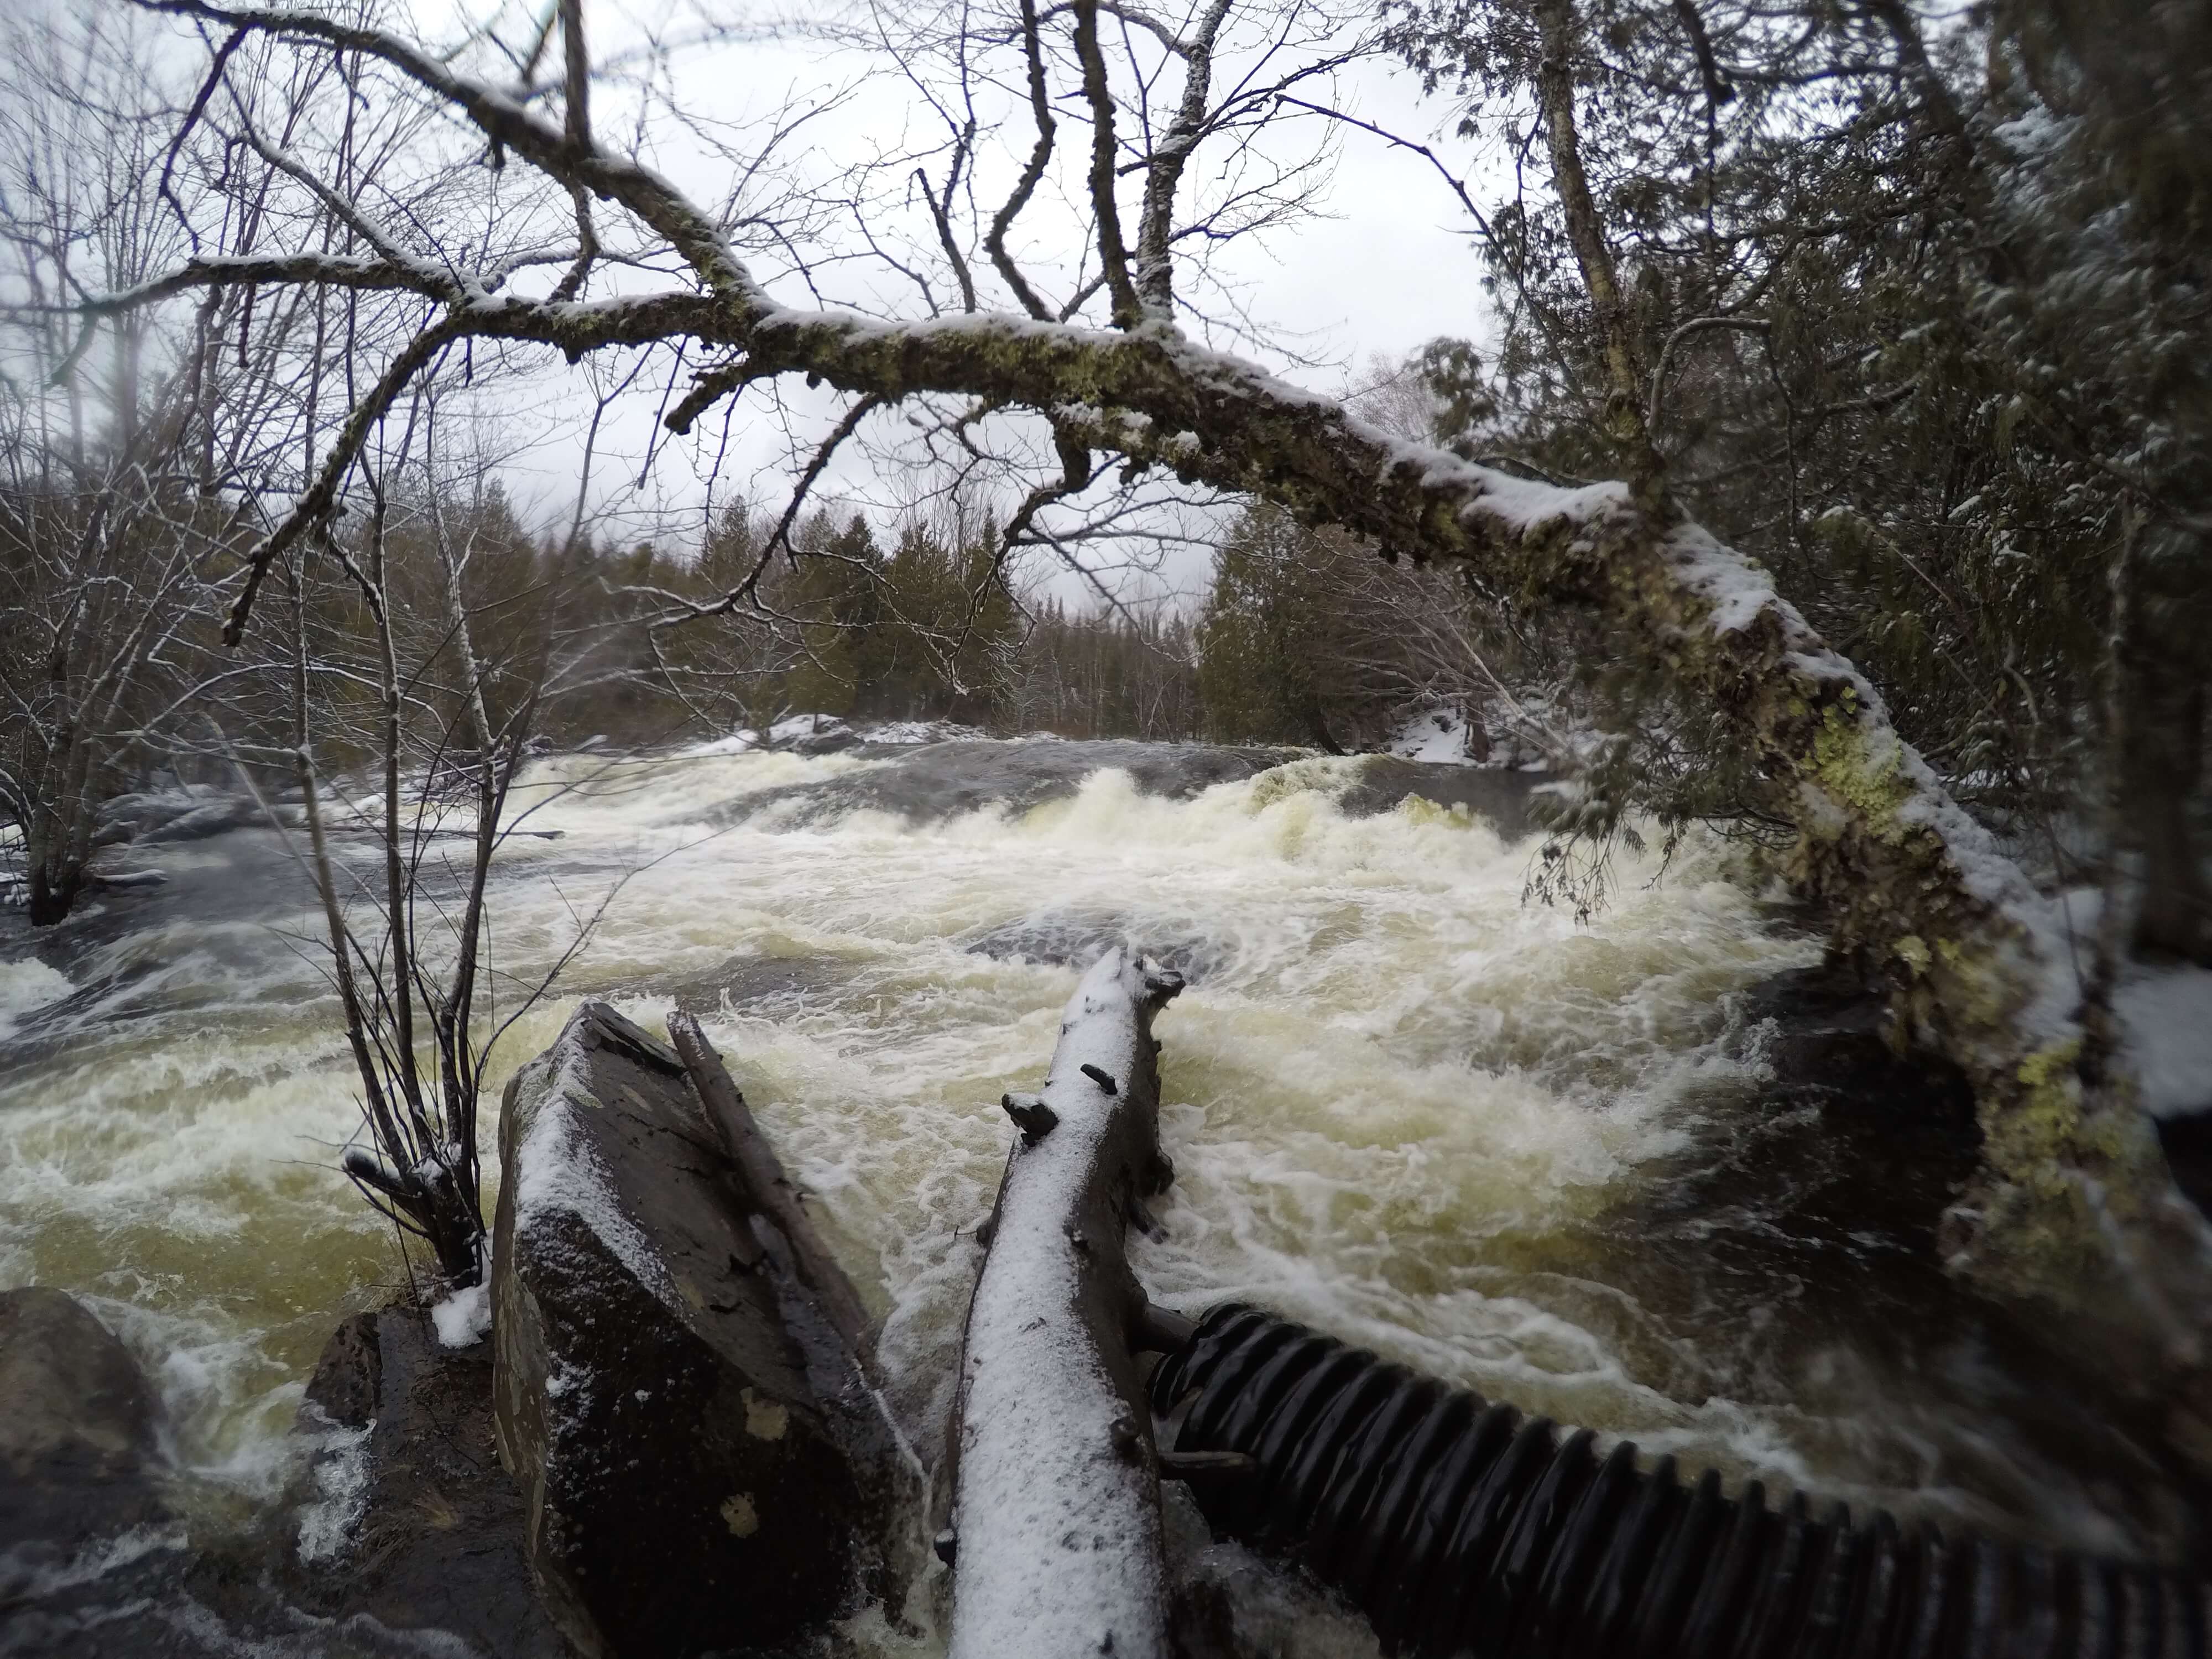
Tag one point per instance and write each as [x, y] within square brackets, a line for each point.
[1914, 949]
[1978, 990]
[1844, 765]
[2040, 1138]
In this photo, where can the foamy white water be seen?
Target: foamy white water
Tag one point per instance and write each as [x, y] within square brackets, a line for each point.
[1404, 1105]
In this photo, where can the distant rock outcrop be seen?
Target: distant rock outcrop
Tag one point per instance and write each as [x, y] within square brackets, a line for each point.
[702, 1465]
[192, 812]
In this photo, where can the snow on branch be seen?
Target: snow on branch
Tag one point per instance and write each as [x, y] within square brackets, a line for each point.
[655, 202]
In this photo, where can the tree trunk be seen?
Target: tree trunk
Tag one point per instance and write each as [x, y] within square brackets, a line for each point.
[2161, 741]
[54, 890]
[1618, 335]
[2164, 761]
[1056, 1515]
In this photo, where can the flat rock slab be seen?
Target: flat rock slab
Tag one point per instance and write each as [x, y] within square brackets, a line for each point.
[690, 1485]
[1500, 798]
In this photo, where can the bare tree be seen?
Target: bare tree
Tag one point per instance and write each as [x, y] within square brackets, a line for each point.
[108, 554]
[449, 721]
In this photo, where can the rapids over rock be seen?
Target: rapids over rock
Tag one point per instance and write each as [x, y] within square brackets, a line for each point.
[1638, 1173]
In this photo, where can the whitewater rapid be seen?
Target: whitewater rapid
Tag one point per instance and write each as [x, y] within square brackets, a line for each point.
[1404, 1105]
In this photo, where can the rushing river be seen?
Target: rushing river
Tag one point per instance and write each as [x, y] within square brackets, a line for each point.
[1406, 1106]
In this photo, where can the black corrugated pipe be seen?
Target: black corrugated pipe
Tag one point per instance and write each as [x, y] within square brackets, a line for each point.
[1460, 1528]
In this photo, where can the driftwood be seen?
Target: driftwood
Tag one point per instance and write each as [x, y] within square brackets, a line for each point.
[1056, 1535]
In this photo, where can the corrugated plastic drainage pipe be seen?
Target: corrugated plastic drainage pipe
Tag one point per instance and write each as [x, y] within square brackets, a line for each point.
[1462, 1528]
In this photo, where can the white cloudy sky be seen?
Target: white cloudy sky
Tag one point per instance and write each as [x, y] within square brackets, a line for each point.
[1384, 265]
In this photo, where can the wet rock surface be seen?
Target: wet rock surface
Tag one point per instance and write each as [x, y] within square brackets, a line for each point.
[687, 1488]
[192, 812]
[1074, 939]
[79, 1427]
[415, 1527]
[756, 984]
[1500, 798]
[930, 782]
[348, 1380]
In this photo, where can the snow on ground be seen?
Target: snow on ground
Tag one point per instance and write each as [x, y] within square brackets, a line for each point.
[2168, 1016]
[464, 1318]
[1435, 732]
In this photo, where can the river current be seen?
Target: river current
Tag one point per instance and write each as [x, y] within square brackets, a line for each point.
[1527, 1153]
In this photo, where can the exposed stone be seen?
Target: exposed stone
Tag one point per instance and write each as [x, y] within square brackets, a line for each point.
[1500, 798]
[943, 779]
[189, 813]
[350, 1375]
[78, 1423]
[428, 1534]
[694, 1479]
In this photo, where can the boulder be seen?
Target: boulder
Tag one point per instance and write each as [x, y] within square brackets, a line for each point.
[412, 1521]
[78, 1433]
[348, 1381]
[1500, 797]
[192, 812]
[699, 1468]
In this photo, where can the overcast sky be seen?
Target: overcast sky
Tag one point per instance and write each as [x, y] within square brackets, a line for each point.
[1384, 265]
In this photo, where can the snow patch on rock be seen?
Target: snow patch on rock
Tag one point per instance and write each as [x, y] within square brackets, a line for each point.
[557, 1173]
[1436, 732]
[464, 1318]
[917, 732]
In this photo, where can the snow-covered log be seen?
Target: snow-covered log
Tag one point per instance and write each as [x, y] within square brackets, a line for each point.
[1056, 1518]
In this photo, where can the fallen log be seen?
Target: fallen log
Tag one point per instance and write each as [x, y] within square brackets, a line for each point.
[1055, 1534]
